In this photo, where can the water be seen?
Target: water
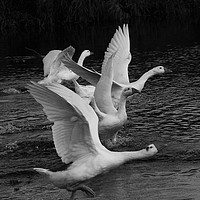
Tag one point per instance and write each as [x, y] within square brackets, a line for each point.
[166, 113]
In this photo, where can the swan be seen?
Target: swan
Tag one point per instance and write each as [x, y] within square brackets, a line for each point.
[121, 43]
[110, 118]
[86, 92]
[75, 135]
[54, 69]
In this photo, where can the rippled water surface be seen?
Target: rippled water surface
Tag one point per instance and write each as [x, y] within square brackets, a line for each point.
[166, 113]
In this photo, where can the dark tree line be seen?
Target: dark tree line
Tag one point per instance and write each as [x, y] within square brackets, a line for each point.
[16, 15]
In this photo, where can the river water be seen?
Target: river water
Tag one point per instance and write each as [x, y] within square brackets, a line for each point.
[166, 113]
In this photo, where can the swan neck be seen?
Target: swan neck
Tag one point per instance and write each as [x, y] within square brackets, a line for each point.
[81, 59]
[133, 155]
[142, 80]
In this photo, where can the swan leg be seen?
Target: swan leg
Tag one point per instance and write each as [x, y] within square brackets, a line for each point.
[87, 190]
[72, 195]
[83, 188]
[73, 190]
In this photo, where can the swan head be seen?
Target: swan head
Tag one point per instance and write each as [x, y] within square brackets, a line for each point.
[86, 53]
[161, 70]
[151, 149]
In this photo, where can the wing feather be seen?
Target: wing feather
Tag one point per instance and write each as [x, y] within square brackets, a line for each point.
[48, 60]
[61, 135]
[121, 43]
[81, 107]
[75, 129]
[120, 36]
[102, 93]
[90, 76]
[53, 106]
[52, 61]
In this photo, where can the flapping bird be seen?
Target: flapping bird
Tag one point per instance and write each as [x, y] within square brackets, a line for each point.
[76, 139]
[54, 69]
[110, 118]
[121, 43]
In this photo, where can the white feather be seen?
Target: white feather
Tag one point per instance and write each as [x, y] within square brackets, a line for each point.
[70, 116]
[120, 43]
[75, 134]
[55, 70]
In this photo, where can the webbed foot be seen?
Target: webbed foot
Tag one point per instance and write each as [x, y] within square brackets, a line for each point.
[83, 188]
[87, 190]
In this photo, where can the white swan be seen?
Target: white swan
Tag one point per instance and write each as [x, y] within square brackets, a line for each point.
[75, 135]
[55, 70]
[121, 43]
[110, 118]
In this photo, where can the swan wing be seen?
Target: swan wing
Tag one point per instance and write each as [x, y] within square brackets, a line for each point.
[57, 65]
[53, 56]
[102, 93]
[121, 43]
[70, 50]
[91, 76]
[75, 129]
[48, 60]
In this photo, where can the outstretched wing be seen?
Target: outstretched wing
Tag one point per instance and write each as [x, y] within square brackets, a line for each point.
[75, 129]
[121, 43]
[102, 94]
[53, 58]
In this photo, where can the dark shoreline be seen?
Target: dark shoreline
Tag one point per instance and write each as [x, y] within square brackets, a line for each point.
[48, 15]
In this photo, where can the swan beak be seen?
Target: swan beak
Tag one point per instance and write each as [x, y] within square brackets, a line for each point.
[91, 53]
[167, 70]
